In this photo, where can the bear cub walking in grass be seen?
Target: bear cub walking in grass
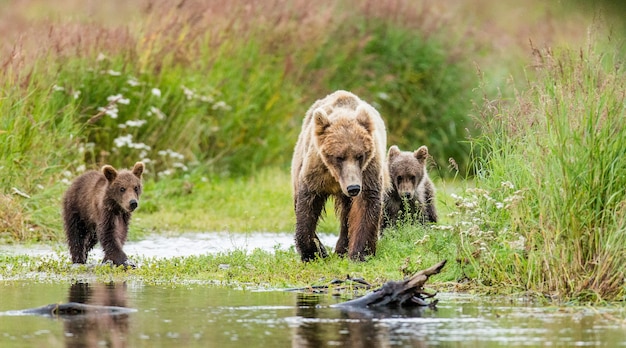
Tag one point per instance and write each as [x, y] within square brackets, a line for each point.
[413, 194]
[97, 208]
[340, 152]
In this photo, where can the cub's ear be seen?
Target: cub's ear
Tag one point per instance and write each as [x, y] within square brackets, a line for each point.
[321, 121]
[393, 152]
[421, 153]
[364, 119]
[109, 172]
[138, 169]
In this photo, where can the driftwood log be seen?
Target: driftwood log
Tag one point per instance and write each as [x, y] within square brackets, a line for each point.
[71, 309]
[406, 293]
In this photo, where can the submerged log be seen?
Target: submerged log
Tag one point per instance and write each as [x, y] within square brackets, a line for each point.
[406, 293]
[75, 309]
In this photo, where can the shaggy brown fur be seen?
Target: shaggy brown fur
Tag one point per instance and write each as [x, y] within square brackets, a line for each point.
[340, 153]
[97, 208]
[412, 194]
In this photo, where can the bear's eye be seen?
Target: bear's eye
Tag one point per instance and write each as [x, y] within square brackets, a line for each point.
[359, 158]
[136, 189]
[122, 189]
[400, 178]
[412, 178]
[339, 158]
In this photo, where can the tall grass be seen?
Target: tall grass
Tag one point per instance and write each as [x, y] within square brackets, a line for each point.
[562, 145]
[205, 86]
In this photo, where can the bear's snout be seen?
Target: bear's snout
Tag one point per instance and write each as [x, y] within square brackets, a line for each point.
[133, 204]
[407, 195]
[354, 190]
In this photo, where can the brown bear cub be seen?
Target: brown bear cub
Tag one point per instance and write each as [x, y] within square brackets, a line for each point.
[340, 152]
[412, 195]
[97, 208]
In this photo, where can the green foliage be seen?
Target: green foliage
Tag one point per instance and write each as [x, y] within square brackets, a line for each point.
[562, 143]
[423, 94]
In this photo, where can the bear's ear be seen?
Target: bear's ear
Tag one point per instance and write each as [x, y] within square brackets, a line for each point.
[421, 153]
[138, 169]
[321, 121]
[109, 172]
[364, 119]
[393, 152]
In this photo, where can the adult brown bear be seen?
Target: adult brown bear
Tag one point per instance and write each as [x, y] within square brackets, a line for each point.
[97, 208]
[340, 152]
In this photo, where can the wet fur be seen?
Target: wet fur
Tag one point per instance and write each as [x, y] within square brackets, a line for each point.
[97, 208]
[342, 145]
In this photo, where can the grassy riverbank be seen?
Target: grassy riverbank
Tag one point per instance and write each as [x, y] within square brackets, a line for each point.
[211, 96]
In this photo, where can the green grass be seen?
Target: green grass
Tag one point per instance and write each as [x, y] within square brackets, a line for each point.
[561, 145]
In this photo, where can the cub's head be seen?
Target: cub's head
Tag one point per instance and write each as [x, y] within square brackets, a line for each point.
[407, 169]
[346, 146]
[124, 186]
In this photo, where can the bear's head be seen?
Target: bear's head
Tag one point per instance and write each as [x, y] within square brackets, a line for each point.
[407, 169]
[124, 186]
[345, 145]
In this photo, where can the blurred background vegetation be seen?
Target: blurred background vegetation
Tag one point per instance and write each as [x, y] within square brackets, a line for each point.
[220, 89]
[523, 99]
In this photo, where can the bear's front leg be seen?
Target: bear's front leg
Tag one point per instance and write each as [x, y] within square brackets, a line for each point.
[110, 240]
[343, 204]
[308, 208]
[364, 224]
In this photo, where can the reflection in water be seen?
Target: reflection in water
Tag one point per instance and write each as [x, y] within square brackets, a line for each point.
[91, 330]
[353, 327]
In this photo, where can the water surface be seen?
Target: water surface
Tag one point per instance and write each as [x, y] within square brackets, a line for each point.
[199, 315]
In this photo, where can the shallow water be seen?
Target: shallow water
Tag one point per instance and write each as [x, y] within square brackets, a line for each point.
[180, 244]
[197, 315]
[203, 315]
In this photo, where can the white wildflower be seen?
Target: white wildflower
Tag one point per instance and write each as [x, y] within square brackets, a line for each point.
[113, 72]
[499, 205]
[221, 105]
[101, 57]
[58, 88]
[123, 140]
[135, 123]
[155, 111]
[188, 92]
[133, 82]
[383, 96]
[76, 94]
[180, 166]
[156, 92]
[507, 184]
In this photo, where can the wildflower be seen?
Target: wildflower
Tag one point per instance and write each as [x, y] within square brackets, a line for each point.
[76, 94]
[135, 123]
[188, 92]
[112, 111]
[100, 57]
[156, 92]
[155, 111]
[383, 96]
[499, 205]
[117, 98]
[123, 140]
[442, 227]
[133, 82]
[180, 166]
[58, 88]
[221, 105]
[207, 99]
[113, 72]
[507, 184]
